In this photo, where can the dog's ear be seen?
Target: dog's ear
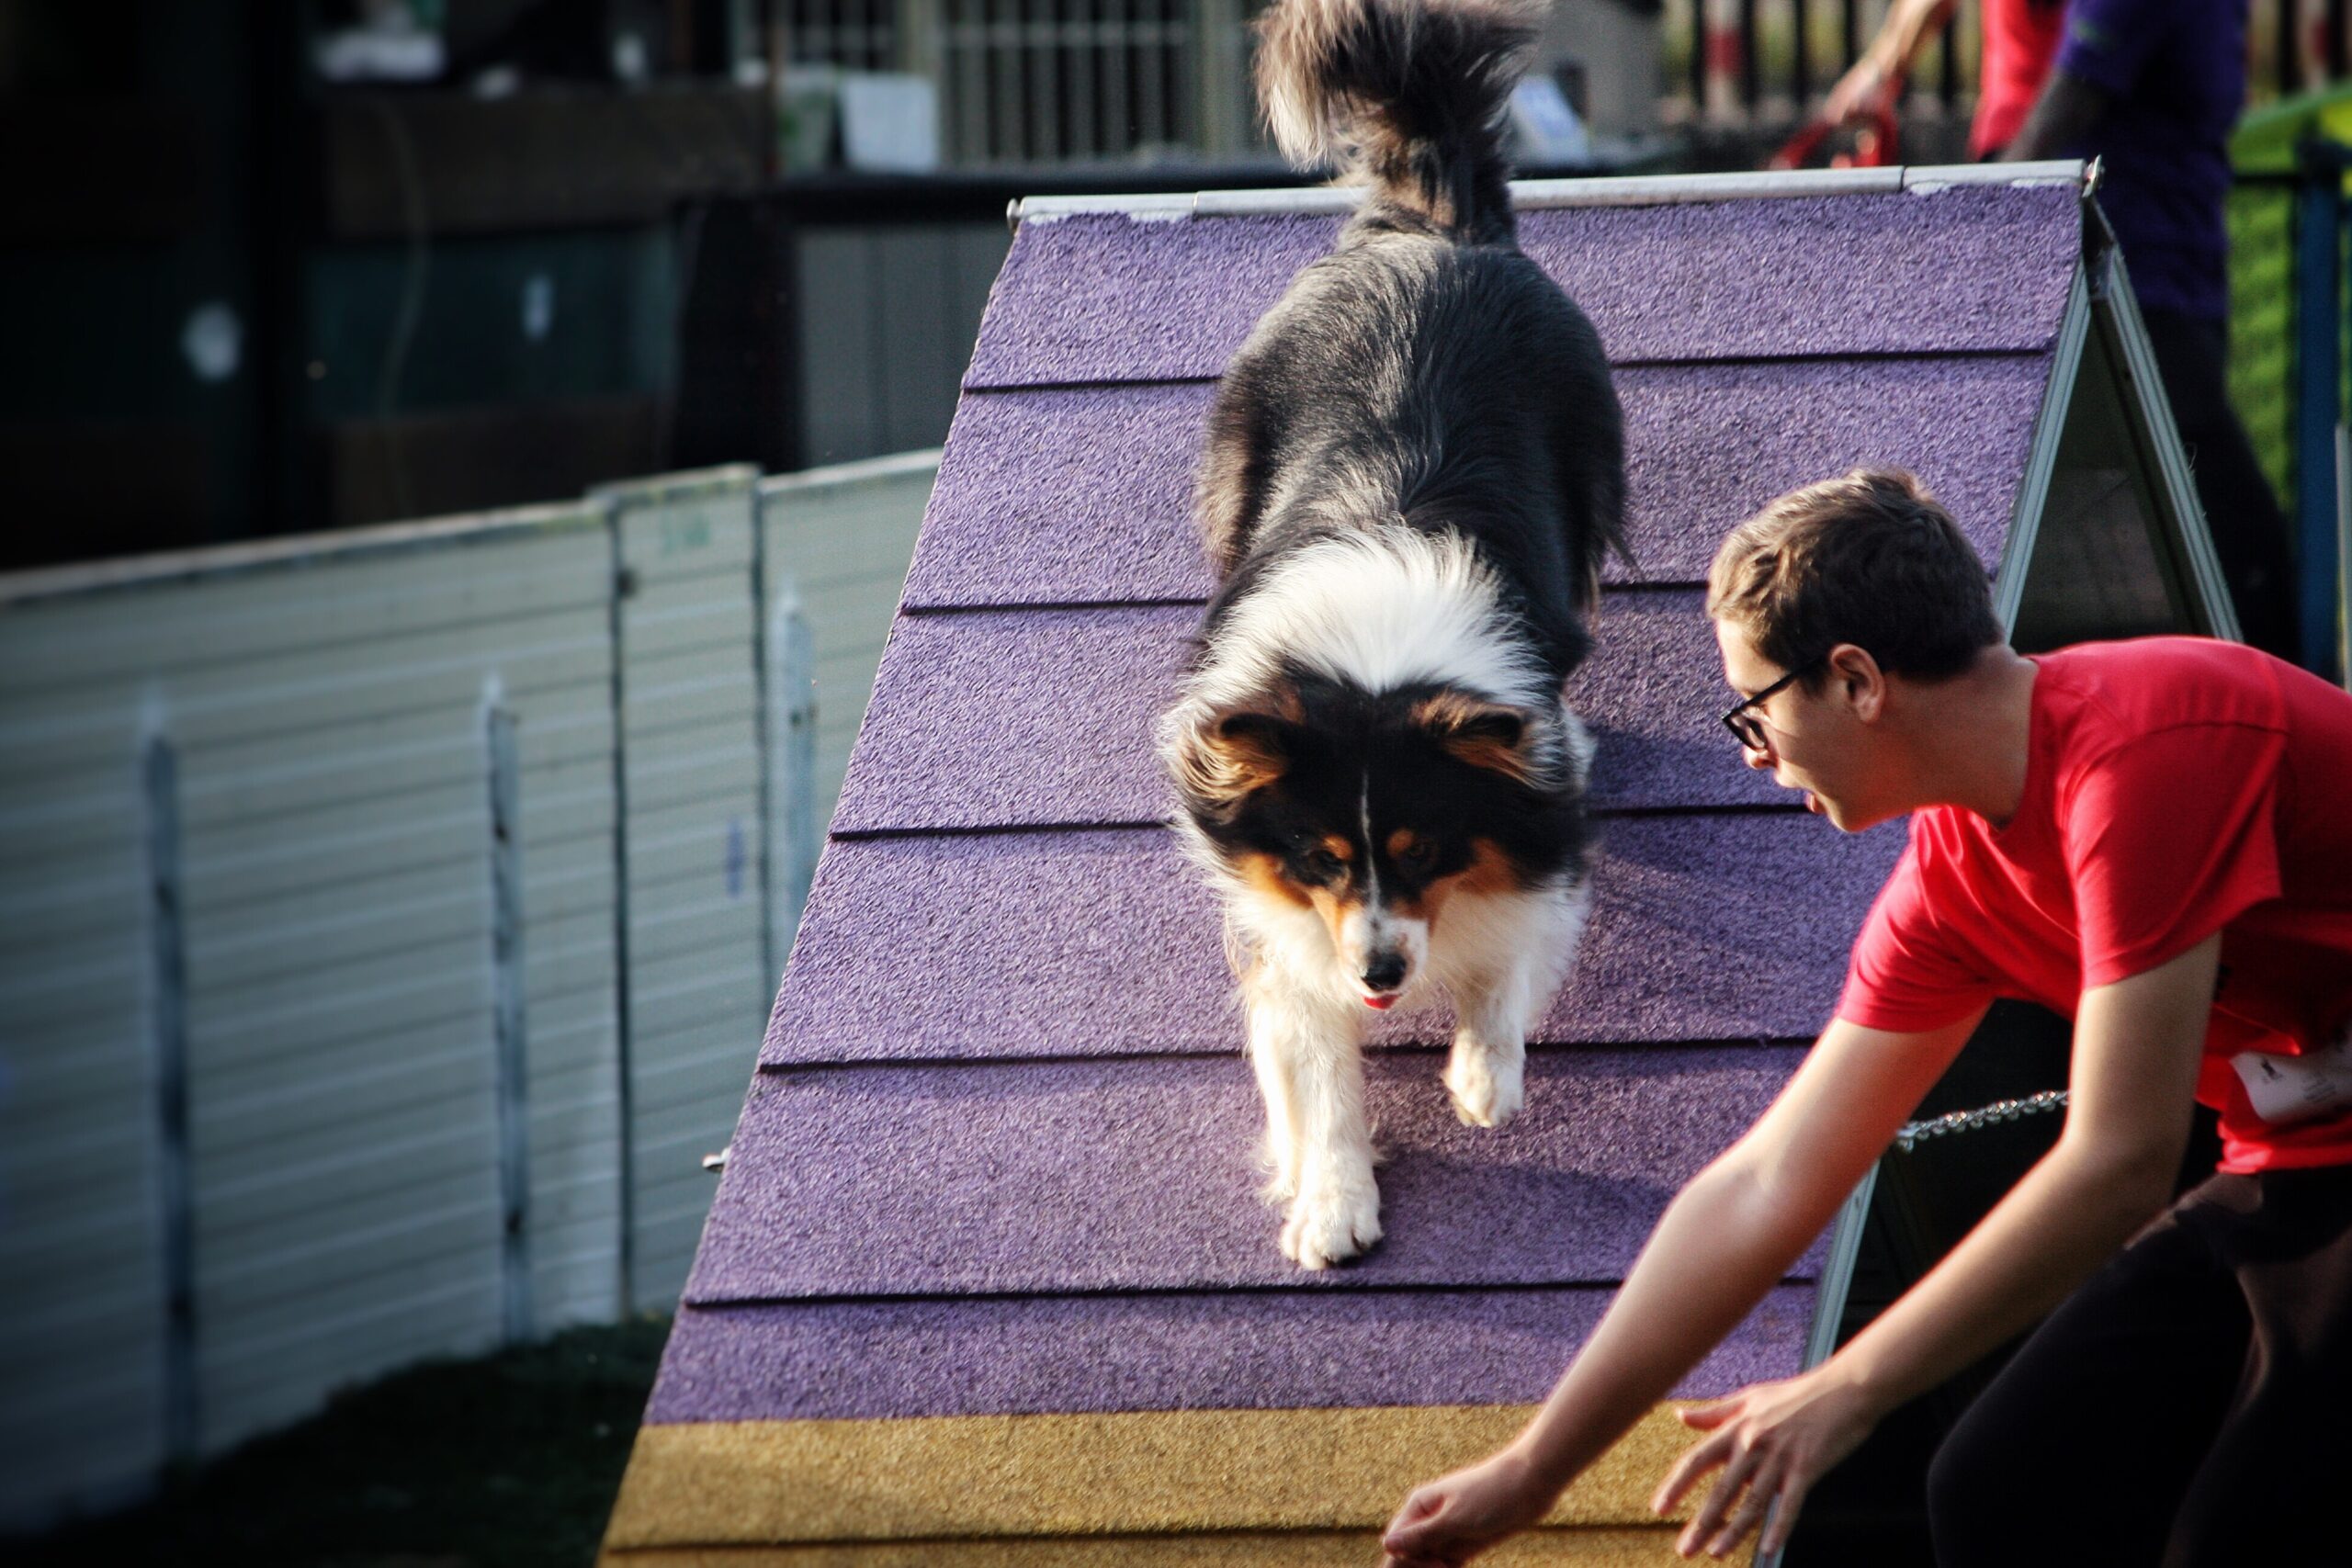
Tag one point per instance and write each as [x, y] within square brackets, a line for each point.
[1484, 734]
[1230, 755]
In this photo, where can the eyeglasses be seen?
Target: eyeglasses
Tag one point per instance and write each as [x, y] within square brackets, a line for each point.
[1745, 726]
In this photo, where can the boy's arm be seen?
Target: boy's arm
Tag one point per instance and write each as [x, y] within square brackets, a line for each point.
[2138, 1044]
[1729, 1238]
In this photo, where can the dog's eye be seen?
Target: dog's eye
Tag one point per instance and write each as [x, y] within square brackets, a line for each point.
[1323, 863]
[1416, 856]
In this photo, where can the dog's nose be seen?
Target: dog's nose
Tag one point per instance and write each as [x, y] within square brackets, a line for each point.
[1386, 972]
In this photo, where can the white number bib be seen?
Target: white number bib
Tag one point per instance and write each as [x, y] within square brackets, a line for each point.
[2297, 1089]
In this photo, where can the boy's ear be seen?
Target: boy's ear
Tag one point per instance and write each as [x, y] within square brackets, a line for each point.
[1856, 674]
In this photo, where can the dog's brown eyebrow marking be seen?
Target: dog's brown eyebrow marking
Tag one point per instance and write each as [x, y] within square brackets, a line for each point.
[1401, 841]
[1489, 870]
[1338, 848]
[1264, 873]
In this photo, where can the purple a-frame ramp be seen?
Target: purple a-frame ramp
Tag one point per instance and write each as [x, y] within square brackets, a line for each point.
[985, 1280]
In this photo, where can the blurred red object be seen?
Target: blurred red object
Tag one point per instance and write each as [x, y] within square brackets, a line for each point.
[1874, 146]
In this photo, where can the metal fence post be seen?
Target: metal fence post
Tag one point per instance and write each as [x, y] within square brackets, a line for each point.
[1220, 34]
[792, 688]
[622, 585]
[513, 1075]
[167, 973]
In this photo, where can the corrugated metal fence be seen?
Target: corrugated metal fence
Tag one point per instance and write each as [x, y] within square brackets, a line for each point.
[384, 920]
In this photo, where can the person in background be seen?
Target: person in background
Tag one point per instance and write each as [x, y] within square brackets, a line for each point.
[2020, 40]
[2153, 87]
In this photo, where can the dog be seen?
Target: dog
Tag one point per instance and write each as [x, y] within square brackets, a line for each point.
[1414, 467]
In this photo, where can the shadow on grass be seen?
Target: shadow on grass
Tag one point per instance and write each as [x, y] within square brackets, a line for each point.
[509, 1461]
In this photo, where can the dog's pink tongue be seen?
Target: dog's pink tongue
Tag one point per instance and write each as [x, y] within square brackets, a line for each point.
[1383, 1003]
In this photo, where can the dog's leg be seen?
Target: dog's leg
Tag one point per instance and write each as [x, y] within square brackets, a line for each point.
[1269, 1056]
[1487, 1073]
[1310, 1068]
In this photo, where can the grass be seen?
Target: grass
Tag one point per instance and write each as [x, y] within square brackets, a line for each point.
[509, 1461]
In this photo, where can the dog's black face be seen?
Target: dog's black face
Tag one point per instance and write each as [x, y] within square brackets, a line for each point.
[1375, 811]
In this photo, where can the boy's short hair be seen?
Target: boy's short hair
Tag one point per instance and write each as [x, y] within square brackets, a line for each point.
[1871, 560]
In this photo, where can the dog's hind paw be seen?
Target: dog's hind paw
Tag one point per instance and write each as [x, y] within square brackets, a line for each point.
[1487, 1088]
[1331, 1227]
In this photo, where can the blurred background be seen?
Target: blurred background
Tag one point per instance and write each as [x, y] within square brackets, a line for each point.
[462, 458]
[305, 264]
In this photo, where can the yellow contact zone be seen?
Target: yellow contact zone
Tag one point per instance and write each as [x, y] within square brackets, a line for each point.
[856, 1487]
[1595, 1547]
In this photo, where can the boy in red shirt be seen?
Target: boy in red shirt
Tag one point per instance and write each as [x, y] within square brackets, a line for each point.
[2149, 836]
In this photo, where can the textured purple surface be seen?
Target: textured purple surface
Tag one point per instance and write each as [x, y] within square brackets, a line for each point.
[1058, 1177]
[1653, 695]
[811, 1361]
[1967, 269]
[1072, 496]
[1083, 495]
[1706, 444]
[1017, 718]
[1085, 299]
[1062, 945]
[1003, 944]
[1043, 718]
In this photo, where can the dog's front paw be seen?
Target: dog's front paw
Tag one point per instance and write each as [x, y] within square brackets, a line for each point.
[1488, 1087]
[1330, 1225]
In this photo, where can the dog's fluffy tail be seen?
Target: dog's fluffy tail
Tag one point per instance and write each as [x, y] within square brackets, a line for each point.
[1406, 95]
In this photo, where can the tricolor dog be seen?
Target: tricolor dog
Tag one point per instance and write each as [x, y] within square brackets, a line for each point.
[1414, 467]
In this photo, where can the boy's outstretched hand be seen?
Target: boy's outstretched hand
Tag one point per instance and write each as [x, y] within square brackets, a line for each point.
[1456, 1516]
[1772, 1440]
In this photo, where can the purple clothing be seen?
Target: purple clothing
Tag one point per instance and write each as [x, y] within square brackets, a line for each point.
[2175, 74]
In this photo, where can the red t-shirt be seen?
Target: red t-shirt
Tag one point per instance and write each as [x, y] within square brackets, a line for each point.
[2174, 788]
[2021, 38]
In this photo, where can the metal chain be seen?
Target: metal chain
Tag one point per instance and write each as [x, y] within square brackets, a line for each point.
[1983, 1116]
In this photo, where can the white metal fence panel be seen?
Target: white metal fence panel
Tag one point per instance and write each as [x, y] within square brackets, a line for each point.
[571, 1037]
[840, 539]
[344, 1112]
[694, 842]
[384, 920]
[85, 1303]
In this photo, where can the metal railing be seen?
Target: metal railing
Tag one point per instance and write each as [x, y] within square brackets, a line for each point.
[1765, 64]
[1744, 63]
[1047, 81]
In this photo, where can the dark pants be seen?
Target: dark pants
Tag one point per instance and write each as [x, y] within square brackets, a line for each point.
[2187, 1406]
[2249, 532]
